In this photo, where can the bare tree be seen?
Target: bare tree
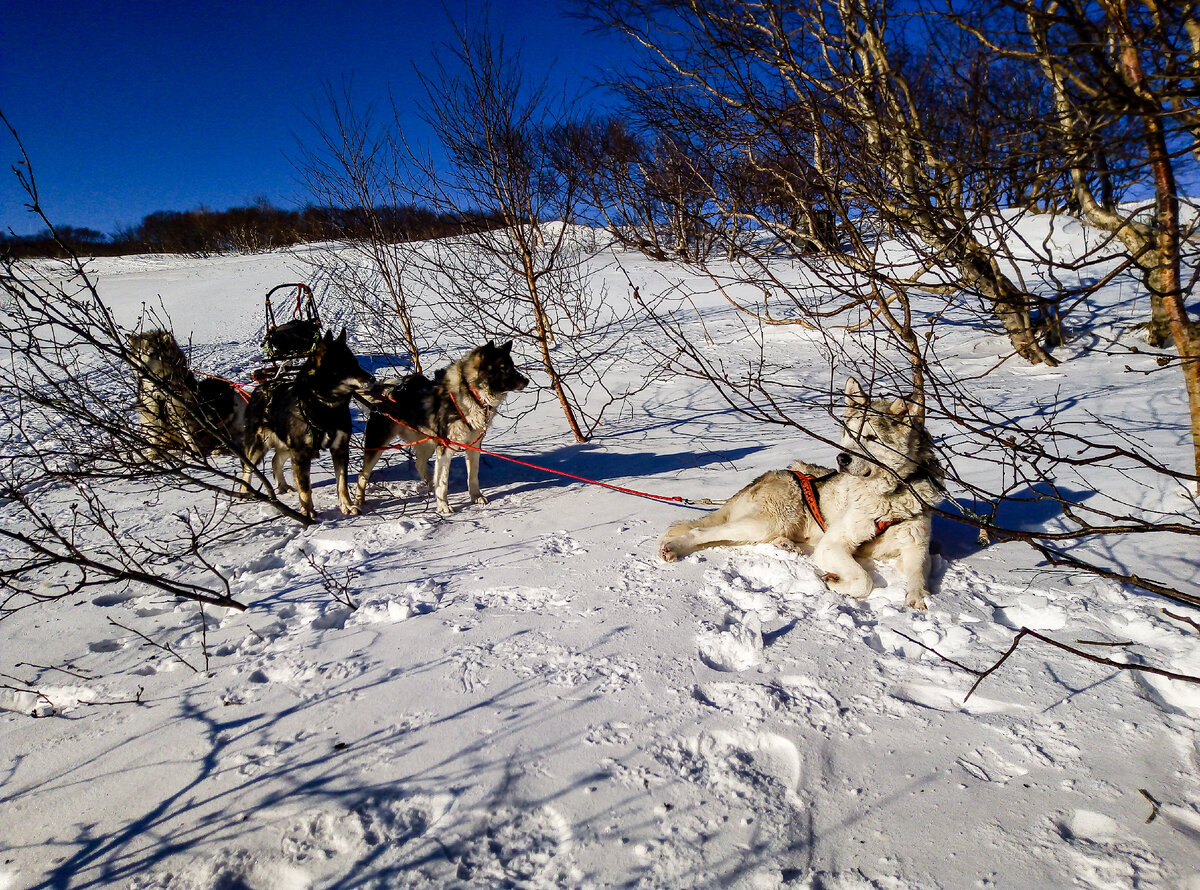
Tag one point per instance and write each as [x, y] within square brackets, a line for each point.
[847, 127]
[360, 164]
[524, 277]
[820, 91]
[1121, 77]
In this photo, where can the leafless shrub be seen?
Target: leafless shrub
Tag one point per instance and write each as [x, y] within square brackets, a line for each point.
[71, 445]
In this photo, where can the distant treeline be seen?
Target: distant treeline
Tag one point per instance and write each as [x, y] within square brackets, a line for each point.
[258, 227]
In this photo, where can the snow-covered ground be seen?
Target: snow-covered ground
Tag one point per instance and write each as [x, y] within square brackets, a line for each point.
[527, 697]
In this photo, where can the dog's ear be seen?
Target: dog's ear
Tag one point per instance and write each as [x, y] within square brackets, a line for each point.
[854, 394]
[490, 344]
[507, 347]
[904, 406]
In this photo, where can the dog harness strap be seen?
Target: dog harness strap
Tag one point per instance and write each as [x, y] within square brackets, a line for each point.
[810, 496]
[882, 525]
[454, 401]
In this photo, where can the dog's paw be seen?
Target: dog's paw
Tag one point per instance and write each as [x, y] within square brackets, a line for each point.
[351, 509]
[787, 544]
[667, 553]
[855, 588]
[480, 500]
[916, 599]
[445, 509]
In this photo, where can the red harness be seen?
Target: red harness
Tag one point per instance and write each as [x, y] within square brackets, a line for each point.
[808, 489]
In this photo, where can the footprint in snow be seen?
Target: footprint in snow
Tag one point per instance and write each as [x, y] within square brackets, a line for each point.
[736, 646]
[945, 698]
[507, 847]
[559, 544]
[362, 828]
[226, 868]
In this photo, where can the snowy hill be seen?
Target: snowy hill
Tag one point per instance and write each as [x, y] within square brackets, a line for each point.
[527, 697]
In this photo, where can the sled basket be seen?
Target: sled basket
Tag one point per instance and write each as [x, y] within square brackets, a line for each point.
[296, 337]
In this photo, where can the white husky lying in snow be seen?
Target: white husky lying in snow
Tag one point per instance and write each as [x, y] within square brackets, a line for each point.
[874, 505]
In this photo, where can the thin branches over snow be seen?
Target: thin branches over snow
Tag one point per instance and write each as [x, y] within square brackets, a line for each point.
[524, 278]
[1024, 632]
[67, 393]
[867, 150]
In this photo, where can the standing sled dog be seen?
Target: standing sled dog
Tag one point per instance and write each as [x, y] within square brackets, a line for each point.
[874, 505]
[176, 410]
[299, 416]
[457, 405]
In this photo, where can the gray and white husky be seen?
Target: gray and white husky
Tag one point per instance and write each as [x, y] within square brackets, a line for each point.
[178, 411]
[874, 505]
[456, 406]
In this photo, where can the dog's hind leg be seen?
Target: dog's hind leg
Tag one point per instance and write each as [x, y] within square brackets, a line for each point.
[340, 455]
[277, 461]
[379, 432]
[747, 530]
[738, 522]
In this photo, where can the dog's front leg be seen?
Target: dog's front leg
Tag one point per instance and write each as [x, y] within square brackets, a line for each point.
[421, 452]
[472, 458]
[834, 556]
[441, 479]
[912, 542]
[301, 467]
[252, 454]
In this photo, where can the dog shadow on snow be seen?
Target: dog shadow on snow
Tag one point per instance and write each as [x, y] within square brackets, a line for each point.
[1034, 508]
[500, 478]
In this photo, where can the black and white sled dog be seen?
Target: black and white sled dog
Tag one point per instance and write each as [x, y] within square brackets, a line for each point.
[177, 410]
[301, 415]
[874, 505]
[457, 405]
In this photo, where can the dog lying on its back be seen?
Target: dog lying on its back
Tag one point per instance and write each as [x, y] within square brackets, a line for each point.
[457, 405]
[874, 505]
[176, 410]
[299, 416]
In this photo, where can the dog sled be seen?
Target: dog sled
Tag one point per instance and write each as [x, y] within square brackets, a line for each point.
[286, 345]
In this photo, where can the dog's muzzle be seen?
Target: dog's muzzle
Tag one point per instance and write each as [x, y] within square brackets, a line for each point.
[843, 461]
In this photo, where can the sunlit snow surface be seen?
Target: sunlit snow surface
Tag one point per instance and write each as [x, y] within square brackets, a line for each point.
[527, 697]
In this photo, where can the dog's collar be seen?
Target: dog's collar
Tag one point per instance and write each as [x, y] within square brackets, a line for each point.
[808, 488]
[478, 398]
[487, 409]
[920, 474]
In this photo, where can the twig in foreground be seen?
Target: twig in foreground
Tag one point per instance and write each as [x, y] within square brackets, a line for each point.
[1182, 618]
[1153, 803]
[1024, 632]
[166, 647]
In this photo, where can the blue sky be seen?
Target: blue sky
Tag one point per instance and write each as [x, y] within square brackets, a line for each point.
[135, 106]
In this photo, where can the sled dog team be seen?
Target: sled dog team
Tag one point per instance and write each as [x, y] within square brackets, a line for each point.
[874, 505]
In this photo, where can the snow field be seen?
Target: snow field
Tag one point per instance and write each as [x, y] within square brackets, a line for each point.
[526, 697]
